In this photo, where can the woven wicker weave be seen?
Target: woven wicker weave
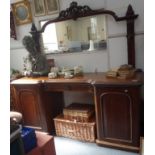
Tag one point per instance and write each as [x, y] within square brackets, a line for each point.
[75, 130]
[79, 112]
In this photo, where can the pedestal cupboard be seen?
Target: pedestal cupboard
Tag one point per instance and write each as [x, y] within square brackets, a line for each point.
[117, 109]
[117, 104]
[37, 107]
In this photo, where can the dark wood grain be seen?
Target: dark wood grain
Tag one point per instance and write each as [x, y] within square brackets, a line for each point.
[117, 105]
[88, 79]
[131, 36]
[118, 116]
[28, 103]
[38, 108]
[75, 11]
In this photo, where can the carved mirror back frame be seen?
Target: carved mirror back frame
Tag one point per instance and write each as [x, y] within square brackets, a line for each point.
[77, 11]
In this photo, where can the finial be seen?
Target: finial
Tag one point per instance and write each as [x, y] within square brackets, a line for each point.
[33, 28]
[130, 11]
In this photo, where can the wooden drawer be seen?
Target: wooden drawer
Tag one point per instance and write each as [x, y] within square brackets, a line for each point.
[68, 87]
[121, 89]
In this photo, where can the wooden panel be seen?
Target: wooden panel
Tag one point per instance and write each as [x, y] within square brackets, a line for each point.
[38, 106]
[116, 145]
[68, 87]
[12, 99]
[28, 101]
[116, 105]
[117, 116]
[87, 79]
[53, 105]
[29, 106]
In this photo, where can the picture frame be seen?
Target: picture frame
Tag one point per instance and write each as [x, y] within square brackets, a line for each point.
[22, 12]
[39, 7]
[52, 6]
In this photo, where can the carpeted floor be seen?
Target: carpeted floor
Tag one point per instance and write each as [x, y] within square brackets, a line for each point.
[66, 146]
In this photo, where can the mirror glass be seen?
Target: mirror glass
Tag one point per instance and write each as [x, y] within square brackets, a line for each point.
[83, 34]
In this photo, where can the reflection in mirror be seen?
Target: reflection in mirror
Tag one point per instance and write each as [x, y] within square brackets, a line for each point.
[84, 34]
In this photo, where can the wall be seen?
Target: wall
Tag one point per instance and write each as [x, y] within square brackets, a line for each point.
[116, 53]
[112, 57]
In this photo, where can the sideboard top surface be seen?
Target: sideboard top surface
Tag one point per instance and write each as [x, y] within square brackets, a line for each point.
[86, 78]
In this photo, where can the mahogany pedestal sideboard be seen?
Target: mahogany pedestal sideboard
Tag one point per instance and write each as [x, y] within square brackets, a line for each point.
[117, 104]
[37, 107]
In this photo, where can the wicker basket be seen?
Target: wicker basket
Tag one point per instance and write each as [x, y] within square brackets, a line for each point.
[75, 130]
[79, 112]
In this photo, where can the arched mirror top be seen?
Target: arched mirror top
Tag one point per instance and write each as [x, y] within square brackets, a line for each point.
[76, 11]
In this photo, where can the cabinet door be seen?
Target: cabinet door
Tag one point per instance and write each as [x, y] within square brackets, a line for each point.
[28, 102]
[118, 117]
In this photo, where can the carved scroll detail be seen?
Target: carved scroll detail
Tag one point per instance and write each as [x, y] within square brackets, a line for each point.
[74, 11]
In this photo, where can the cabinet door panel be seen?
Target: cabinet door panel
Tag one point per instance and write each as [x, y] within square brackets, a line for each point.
[116, 111]
[117, 116]
[29, 106]
[37, 106]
